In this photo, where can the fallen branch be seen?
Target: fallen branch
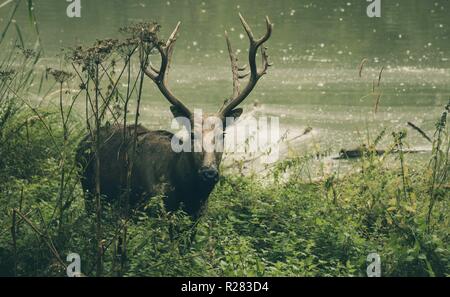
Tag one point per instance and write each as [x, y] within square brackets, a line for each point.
[47, 240]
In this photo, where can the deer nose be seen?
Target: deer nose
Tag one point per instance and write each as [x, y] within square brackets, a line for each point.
[209, 174]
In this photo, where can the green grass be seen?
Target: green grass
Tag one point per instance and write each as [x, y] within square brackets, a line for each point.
[287, 227]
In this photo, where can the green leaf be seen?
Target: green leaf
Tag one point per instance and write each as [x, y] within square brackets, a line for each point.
[30, 10]
[11, 16]
[19, 34]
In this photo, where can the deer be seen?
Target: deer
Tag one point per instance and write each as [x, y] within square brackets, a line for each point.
[186, 178]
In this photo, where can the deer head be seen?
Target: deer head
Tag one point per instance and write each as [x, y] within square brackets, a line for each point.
[208, 130]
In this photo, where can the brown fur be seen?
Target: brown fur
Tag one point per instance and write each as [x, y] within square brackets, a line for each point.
[156, 169]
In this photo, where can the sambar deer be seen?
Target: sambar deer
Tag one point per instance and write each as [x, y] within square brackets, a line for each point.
[185, 178]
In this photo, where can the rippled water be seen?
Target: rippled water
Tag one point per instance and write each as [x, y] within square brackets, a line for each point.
[316, 48]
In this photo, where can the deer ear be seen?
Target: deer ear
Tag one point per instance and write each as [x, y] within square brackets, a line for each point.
[177, 112]
[235, 114]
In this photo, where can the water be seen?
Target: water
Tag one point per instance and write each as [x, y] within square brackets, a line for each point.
[316, 48]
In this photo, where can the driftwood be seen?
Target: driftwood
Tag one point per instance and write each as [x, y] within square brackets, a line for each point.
[359, 152]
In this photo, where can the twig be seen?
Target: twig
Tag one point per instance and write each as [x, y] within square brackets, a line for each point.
[361, 66]
[44, 237]
[424, 135]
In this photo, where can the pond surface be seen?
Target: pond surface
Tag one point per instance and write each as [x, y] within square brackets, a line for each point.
[316, 49]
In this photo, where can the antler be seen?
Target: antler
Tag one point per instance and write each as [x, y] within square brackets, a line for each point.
[234, 67]
[159, 76]
[255, 75]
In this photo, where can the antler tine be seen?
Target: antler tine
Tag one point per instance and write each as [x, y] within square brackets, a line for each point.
[168, 50]
[153, 68]
[254, 74]
[265, 61]
[242, 68]
[159, 77]
[173, 36]
[247, 28]
[241, 76]
[269, 28]
[234, 67]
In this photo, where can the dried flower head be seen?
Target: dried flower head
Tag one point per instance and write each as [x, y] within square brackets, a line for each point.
[6, 74]
[127, 47]
[60, 76]
[27, 53]
[89, 57]
[104, 47]
[143, 31]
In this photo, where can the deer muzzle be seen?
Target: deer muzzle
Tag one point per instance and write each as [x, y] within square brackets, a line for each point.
[209, 174]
